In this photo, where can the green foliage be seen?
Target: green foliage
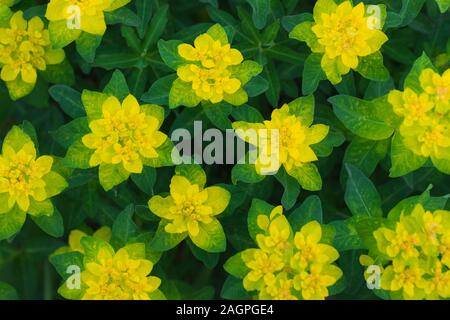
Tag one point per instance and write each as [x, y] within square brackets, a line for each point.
[365, 176]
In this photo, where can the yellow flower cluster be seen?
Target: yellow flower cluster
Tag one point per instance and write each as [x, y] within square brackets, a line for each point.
[287, 266]
[89, 13]
[293, 139]
[417, 248]
[343, 34]
[189, 208]
[207, 67]
[125, 134]
[118, 276]
[425, 126]
[26, 179]
[24, 48]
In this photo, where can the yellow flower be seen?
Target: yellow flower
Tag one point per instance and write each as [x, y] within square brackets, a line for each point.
[277, 236]
[425, 125]
[280, 289]
[310, 251]
[209, 84]
[343, 34]
[285, 267]
[313, 284]
[25, 48]
[416, 255]
[285, 140]
[124, 135]
[208, 67]
[263, 267]
[439, 285]
[411, 106]
[438, 87]
[400, 242]
[90, 13]
[118, 276]
[190, 207]
[26, 179]
[405, 276]
[210, 53]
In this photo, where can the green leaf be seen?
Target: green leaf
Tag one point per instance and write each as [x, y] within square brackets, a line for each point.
[245, 71]
[217, 32]
[236, 266]
[11, 222]
[256, 86]
[233, 289]
[290, 22]
[193, 172]
[361, 196]
[144, 12]
[69, 133]
[312, 74]
[291, 189]
[163, 241]
[53, 225]
[261, 10]
[111, 175]
[93, 102]
[308, 176]
[63, 262]
[273, 92]
[145, 180]
[247, 113]
[372, 67]
[117, 86]
[7, 292]
[159, 91]
[168, 51]
[303, 108]
[246, 173]
[403, 159]
[258, 207]
[181, 94]
[123, 16]
[366, 154]
[210, 237]
[157, 26]
[60, 35]
[18, 88]
[367, 119]
[210, 260]
[218, 114]
[346, 236]
[87, 45]
[69, 100]
[443, 5]
[78, 156]
[310, 210]
[412, 81]
[124, 228]
[61, 73]
[410, 10]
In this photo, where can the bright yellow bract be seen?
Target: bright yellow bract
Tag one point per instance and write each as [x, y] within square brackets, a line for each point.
[25, 48]
[207, 68]
[189, 207]
[425, 127]
[418, 251]
[22, 175]
[345, 33]
[90, 12]
[124, 135]
[117, 276]
[287, 266]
